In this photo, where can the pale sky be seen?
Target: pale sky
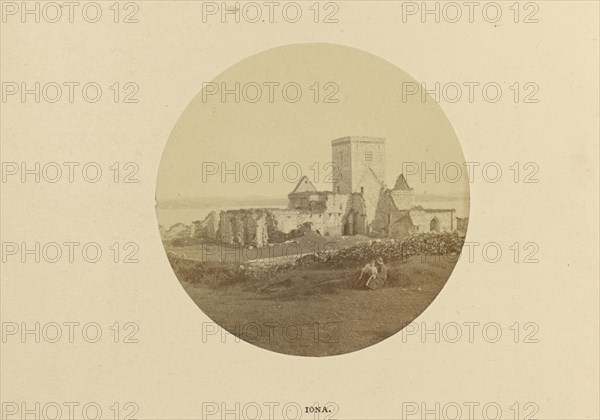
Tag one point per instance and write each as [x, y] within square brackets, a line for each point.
[370, 104]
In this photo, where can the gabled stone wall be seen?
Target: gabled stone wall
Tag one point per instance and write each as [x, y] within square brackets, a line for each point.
[422, 219]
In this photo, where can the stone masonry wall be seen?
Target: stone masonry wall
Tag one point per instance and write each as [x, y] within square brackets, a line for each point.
[422, 220]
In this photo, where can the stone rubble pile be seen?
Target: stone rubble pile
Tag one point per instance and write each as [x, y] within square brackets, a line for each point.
[389, 249]
[264, 270]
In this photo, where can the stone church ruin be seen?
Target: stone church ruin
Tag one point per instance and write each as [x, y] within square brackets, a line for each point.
[359, 204]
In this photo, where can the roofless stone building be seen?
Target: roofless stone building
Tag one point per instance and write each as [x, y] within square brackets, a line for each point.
[360, 203]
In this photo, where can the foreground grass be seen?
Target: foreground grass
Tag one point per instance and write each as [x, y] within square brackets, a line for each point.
[315, 311]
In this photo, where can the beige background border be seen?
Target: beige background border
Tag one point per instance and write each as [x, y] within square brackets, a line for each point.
[171, 372]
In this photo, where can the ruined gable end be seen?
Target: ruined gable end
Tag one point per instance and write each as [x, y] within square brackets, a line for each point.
[304, 185]
[403, 194]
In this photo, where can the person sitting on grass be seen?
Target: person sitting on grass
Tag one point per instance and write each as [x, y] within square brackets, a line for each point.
[379, 281]
[367, 274]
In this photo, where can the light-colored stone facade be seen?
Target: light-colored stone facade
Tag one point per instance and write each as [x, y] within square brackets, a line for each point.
[352, 157]
[360, 204]
[433, 220]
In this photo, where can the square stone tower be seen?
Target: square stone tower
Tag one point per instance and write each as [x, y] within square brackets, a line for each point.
[353, 157]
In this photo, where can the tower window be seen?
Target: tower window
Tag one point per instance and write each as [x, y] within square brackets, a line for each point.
[368, 156]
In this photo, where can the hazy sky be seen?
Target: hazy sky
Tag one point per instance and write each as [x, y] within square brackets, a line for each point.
[369, 103]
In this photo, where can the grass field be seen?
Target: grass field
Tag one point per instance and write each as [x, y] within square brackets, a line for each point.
[314, 311]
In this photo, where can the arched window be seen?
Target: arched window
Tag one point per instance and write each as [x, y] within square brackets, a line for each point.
[434, 226]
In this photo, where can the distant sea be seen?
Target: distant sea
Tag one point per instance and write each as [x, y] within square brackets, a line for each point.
[172, 212]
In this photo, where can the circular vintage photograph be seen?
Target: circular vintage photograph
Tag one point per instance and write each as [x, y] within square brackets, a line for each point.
[312, 200]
